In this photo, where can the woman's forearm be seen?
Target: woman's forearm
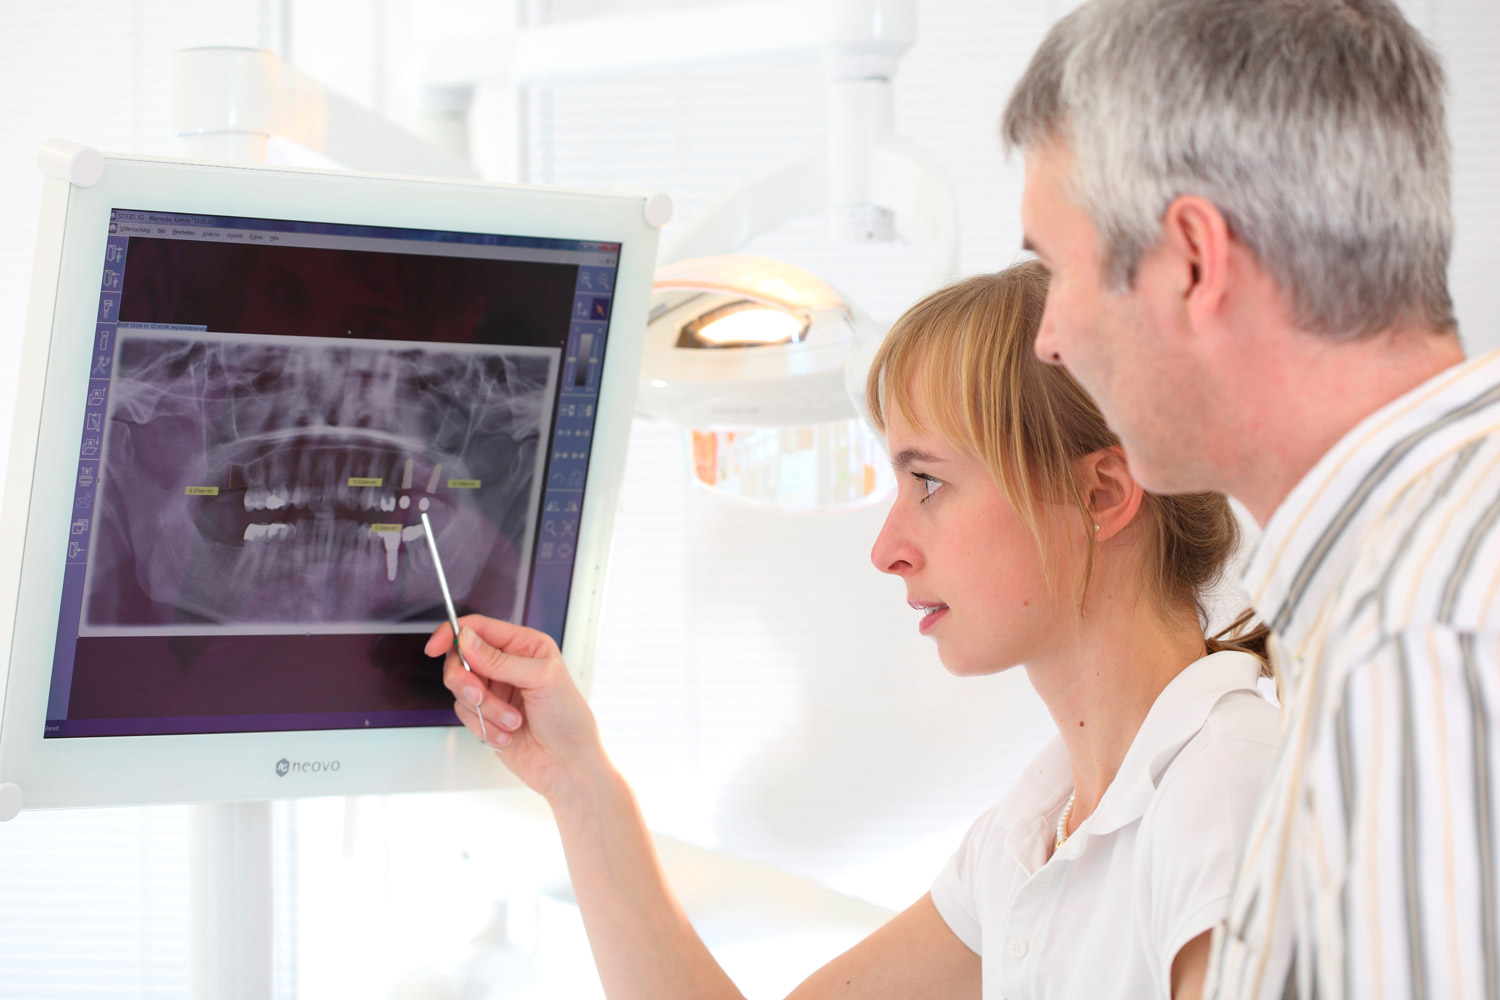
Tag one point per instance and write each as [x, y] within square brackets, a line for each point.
[643, 943]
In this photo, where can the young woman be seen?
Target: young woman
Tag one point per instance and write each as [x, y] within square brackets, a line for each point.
[1023, 541]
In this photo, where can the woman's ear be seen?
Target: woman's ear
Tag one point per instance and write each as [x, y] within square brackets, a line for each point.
[1114, 497]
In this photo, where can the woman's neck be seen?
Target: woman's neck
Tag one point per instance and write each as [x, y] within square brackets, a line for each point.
[1102, 681]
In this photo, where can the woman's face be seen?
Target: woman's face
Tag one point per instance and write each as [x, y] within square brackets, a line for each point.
[973, 570]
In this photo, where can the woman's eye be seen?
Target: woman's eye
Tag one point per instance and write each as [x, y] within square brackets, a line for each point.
[929, 485]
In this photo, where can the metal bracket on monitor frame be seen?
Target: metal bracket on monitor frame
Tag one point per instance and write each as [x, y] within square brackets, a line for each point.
[10, 801]
[69, 161]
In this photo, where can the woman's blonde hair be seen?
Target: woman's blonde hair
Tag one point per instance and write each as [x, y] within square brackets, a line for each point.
[967, 352]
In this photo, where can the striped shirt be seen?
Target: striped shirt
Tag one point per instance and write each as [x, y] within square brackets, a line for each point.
[1371, 865]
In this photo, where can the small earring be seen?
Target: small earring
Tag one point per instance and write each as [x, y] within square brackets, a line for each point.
[1096, 527]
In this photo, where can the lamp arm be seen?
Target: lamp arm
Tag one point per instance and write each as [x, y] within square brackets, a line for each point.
[903, 176]
[793, 186]
[907, 178]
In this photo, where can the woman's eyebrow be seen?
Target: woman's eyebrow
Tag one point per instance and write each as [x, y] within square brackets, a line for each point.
[908, 457]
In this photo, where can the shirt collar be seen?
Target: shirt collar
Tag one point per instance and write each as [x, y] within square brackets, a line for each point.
[1176, 716]
[1311, 538]
[1027, 809]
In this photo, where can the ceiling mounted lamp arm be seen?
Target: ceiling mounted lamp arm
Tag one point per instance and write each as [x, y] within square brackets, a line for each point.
[894, 174]
[794, 186]
[906, 177]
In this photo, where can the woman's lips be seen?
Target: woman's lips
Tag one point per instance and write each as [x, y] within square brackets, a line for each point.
[931, 613]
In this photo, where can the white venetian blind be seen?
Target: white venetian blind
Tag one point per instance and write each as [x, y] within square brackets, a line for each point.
[94, 903]
[1467, 35]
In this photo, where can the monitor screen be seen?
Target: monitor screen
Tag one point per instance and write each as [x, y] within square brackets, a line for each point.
[240, 390]
[271, 406]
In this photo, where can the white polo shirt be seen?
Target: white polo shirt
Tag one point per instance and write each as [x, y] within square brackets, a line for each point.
[1147, 872]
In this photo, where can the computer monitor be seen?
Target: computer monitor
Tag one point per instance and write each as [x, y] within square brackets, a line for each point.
[240, 388]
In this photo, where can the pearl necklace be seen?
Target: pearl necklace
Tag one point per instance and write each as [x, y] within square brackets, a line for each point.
[1062, 821]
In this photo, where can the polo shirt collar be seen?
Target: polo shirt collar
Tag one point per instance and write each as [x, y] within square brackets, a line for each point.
[1308, 543]
[1177, 715]
[1026, 811]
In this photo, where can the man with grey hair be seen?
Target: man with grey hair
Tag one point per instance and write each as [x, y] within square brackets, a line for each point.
[1244, 205]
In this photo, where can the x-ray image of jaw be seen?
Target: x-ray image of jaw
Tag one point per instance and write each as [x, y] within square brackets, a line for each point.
[279, 481]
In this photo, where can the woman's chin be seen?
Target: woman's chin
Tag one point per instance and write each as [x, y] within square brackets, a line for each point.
[960, 665]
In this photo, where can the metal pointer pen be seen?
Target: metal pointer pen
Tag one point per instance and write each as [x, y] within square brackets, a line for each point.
[437, 564]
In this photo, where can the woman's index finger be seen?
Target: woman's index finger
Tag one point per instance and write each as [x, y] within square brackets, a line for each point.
[440, 641]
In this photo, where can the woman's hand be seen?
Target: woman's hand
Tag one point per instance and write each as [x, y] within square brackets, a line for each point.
[533, 712]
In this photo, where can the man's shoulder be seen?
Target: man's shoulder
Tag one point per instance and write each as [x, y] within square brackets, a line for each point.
[1431, 555]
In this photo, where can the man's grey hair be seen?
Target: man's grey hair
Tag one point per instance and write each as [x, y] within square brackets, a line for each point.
[1316, 128]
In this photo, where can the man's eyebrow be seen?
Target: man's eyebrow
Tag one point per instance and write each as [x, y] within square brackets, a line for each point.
[908, 457]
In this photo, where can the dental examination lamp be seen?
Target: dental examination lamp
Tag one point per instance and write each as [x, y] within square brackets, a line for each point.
[751, 354]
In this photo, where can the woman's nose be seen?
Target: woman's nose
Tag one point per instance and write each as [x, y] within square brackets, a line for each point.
[893, 552]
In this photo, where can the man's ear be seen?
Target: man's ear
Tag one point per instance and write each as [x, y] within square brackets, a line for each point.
[1198, 245]
[1114, 497]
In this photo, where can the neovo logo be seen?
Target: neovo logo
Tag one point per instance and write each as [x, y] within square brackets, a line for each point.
[285, 767]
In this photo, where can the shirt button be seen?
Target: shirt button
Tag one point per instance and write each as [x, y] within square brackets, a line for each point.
[1043, 882]
[1016, 948]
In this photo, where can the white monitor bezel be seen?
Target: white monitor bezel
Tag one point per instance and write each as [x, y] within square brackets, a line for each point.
[52, 386]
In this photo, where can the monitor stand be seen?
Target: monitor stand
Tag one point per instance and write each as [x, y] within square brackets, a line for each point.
[231, 889]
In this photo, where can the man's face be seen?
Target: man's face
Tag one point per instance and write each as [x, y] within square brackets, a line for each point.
[1124, 347]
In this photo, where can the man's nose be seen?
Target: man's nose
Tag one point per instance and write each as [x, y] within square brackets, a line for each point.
[1048, 348]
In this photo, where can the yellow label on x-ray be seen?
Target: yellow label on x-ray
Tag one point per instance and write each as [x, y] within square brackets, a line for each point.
[385, 527]
[202, 491]
[366, 482]
[463, 484]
